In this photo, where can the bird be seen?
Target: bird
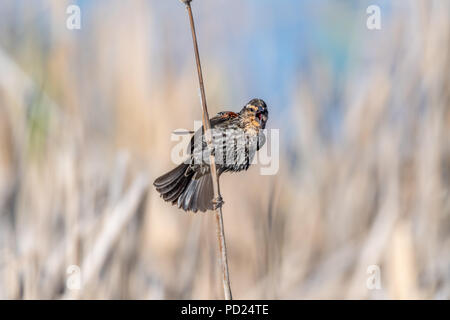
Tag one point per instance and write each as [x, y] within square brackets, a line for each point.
[235, 138]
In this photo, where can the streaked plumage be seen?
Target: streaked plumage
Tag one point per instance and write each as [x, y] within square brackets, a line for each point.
[235, 137]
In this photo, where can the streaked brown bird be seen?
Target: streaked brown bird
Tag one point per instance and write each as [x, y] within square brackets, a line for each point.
[235, 139]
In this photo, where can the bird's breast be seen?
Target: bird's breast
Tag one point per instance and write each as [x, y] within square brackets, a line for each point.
[234, 148]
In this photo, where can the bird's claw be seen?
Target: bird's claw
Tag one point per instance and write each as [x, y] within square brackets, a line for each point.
[217, 203]
[211, 150]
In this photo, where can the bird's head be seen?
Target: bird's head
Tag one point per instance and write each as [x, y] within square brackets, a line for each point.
[258, 109]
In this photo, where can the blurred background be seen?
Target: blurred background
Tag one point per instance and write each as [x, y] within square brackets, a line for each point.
[86, 118]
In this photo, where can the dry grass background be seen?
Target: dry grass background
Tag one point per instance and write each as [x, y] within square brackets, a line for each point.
[85, 127]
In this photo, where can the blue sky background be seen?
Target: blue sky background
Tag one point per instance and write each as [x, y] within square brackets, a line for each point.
[265, 48]
[267, 45]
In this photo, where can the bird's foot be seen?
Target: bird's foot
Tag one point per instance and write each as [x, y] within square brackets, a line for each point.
[211, 149]
[217, 203]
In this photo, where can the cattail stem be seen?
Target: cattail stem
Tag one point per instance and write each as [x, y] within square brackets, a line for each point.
[215, 179]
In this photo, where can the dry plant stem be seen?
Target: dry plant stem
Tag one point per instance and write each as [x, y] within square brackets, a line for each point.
[207, 127]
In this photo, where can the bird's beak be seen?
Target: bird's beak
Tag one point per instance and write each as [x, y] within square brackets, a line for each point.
[260, 114]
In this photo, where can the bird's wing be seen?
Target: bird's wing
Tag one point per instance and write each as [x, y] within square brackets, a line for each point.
[222, 116]
[194, 148]
[216, 120]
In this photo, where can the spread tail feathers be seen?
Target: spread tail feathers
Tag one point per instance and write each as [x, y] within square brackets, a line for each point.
[181, 186]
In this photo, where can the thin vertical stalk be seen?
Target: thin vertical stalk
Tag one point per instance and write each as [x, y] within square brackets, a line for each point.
[207, 126]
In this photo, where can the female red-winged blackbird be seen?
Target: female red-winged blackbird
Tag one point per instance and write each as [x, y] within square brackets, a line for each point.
[235, 139]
